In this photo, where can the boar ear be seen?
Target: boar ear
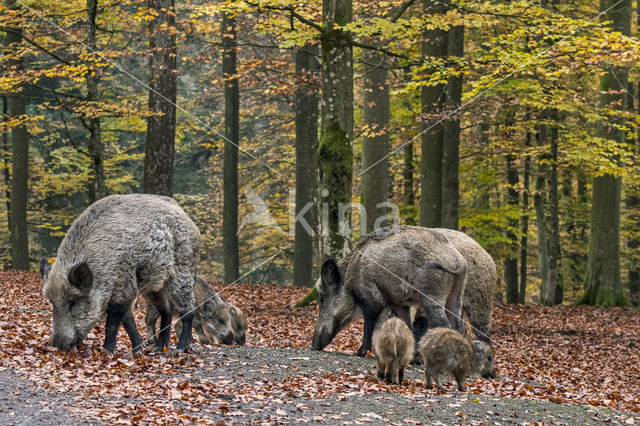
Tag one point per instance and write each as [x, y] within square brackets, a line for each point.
[330, 274]
[478, 348]
[45, 268]
[233, 312]
[80, 276]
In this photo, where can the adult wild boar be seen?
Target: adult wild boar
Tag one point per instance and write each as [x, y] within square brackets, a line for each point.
[119, 246]
[478, 291]
[396, 268]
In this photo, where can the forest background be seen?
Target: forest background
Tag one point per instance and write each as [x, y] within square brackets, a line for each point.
[515, 122]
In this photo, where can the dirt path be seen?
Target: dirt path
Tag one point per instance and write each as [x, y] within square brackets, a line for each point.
[256, 384]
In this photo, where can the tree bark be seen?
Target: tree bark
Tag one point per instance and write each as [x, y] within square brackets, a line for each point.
[335, 153]
[306, 121]
[230, 160]
[547, 292]
[451, 137]
[511, 261]
[524, 223]
[161, 127]
[97, 186]
[20, 166]
[604, 286]
[5, 160]
[433, 98]
[375, 148]
[633, 203]
[554, 221]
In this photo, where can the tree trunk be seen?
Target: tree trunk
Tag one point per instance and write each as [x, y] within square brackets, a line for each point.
[20, 166]
[524, 223]
[335, 153]
[375, 148]
[5, 160]
[633, 203]
[306, 111]
[97, 187]
[547, 293]
[511, 262]
[451, 138]
[230, 160]
[409, 167]
[554, 222]
[434, 45]
[161, 127]
[604, 286]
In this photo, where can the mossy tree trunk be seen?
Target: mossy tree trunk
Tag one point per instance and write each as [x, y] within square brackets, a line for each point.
[375, 146]
[433, 98]
[231, 259]
[335, 155]
[306, 120]
[163, 80]
[524, 223]
[603, 283]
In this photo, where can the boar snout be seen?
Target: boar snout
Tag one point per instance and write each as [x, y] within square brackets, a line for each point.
[321, 338]
[63, 343]
[491, 374]
[227, 339]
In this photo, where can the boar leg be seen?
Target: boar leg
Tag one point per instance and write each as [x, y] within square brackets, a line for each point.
[132, 331]
[185, 335]
[427, 376]
[460, 376]
[202, 336]
[150, 320]
[115, 315]
[370, 319]
[435, 313]
[401, 375]
[454, 303]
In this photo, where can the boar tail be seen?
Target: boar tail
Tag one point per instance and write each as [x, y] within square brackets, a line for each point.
[459, 268]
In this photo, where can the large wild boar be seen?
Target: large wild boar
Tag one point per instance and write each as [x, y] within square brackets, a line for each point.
[393, 344]
[212, 318]
[119, 246]
[478, 291]
[396, 268]
[446, 350]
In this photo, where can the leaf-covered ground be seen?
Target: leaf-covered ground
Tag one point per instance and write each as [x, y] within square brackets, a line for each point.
[546, 358]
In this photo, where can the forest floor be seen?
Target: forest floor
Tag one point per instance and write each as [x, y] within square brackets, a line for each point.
[556, 365]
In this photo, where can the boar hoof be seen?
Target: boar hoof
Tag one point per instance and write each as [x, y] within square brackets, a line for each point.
[462, 388]
[362, 351]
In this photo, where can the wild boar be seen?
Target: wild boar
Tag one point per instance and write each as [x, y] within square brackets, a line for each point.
[446, 350]
[478, 291]
[396, 268]
[118, 247]
[238, 325]
[212, 316]
[393, 344]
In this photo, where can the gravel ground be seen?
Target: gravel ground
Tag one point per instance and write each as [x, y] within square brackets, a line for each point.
[254, 382]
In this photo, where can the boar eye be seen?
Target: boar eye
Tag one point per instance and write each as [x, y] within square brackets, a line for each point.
[221, 321]
[490, 358]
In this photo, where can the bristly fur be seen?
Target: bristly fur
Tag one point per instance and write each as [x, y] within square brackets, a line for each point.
[393, 344]
[129, 243]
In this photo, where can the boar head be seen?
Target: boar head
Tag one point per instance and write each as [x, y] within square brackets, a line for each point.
[337, 307]
[75, 300]
[216, 321]
[484, 359]
[238, 325]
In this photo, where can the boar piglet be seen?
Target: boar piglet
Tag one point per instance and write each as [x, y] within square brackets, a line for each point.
[393, 344]
[118, 247]
[446, 350]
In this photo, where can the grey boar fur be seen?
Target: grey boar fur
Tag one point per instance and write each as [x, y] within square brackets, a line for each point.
[212, 316]
[393, 344]
[446, 350]
[478, 293]
[119, 246]
[396, 268]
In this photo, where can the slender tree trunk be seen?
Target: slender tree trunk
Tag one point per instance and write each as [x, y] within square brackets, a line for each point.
[547, 293]
[633, 203]
[511, 262]
[20, 166]
[306, 111]
[524, 223]
[5, 158]
[375, 148]
[604, 286]
[335, 153]
[409, 168]
[433, 98]
[97, 186]
[230, 160]
[451, 137]
[554, 222]
[161, 127]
